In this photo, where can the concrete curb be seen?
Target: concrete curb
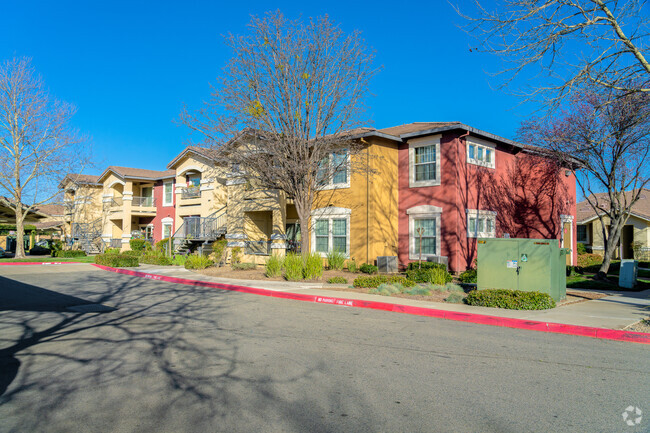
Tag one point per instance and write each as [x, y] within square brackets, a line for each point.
[39, 263]
[532, 325]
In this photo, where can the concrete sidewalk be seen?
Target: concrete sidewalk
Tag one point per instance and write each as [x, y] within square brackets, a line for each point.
[616, 311]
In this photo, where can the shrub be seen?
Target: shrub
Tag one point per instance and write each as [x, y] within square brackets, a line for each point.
[219, 251]
[293, 267]
[454, 298]
[386, 290]
[133, 253]
[352, 266]
[376, 280]
[510, 299]
[155, 258]
[419, 291]
[435, 275]
[137, 244]
[112, 251]
[197, 261]
[581, 249]
[313, 267]
[273, 266]
[117, 260]
[39, 251]
[469, 276]
[425, 265]
[162, 245]
[335, 260]
[337, 280]
[368, 269]
[55, 245]
[451, 287]
[235, 255]
[70, 253]
[179, 260]
[398, 279]
[243, 266]
[586, 260]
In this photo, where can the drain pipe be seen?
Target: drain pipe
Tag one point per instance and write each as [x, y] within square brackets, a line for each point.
[457, 217]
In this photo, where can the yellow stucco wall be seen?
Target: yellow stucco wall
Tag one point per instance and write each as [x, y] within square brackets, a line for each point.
[641, 234]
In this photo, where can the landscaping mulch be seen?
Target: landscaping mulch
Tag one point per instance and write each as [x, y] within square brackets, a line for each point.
[434, 297]
[258, 274]
[640, 326]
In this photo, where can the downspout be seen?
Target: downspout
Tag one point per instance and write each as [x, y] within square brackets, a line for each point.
[368, 205]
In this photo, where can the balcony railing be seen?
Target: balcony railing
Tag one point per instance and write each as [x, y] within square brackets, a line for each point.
[144, 201]
[115, 243]
[259, 248]
[191, 192]
[113, 202]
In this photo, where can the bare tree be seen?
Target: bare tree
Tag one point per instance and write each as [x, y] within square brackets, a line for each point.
[38, 144]
[610, 144]
[573, 43]
[286, 106]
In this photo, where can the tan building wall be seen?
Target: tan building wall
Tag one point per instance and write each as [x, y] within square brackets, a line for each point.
[83, 204]
[639, 234]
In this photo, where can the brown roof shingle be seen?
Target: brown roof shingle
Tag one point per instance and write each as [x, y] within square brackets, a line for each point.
[51, 209]
[641, 207]
[140, 172]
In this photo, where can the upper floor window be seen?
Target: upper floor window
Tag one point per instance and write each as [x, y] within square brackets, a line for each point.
[481, 223]
[333, 171]
[480, 152]
[424, 161]
[168, 193]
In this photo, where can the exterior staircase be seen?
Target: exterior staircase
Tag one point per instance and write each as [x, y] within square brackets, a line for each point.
[199, 233]
[88, 236]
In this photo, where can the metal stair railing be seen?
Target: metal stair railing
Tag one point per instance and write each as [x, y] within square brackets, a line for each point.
[201, 228]
[87, 235]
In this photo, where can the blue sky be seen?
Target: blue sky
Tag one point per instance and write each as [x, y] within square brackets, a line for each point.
[128, 66]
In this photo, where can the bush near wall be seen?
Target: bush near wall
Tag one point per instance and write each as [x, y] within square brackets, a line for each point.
[368, 268]
[155, 258]
[197, 261]
[425, 265]
[70, 253]
[510, 299]
[469, 276]
[436, 275]
[162, 245]
[117, 260]
[137, 244]
[376, 280]
[585, 260]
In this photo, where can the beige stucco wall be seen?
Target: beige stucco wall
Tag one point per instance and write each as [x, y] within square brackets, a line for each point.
[83, 204]
[641, 234]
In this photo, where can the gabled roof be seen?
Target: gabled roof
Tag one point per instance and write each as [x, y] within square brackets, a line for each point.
[641, 208]
[138, 173]
[204, 152]
[84, 179]
[51, 209]
[7, 213]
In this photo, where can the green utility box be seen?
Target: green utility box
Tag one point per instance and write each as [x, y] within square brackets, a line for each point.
[522, 264]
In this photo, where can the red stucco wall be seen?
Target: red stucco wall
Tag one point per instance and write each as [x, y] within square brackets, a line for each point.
[528, 192]
[162, 211]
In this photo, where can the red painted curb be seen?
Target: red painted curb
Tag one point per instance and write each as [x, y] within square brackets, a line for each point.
[532, 325]
[38, 263]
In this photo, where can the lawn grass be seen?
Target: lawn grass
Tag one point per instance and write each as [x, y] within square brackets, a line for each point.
[588, 282]
[83, 259]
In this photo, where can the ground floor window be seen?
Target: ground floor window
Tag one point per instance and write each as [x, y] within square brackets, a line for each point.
[166, 229]
[424, 231]
[582, 233]
[331, 230]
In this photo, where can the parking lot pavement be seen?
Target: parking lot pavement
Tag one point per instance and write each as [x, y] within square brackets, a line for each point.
[169, 357]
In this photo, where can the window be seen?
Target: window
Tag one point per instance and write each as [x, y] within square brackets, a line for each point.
[333, 171]
[425, 235]
[582, 233]
[166, 230]
[481, 223]
[480, 152]
[424, 231]
[168, 193]
[424, 161]
[331, 230]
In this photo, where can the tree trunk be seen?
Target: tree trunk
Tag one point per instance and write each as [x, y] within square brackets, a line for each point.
[610, 246]
[303, 209]
[20, 235]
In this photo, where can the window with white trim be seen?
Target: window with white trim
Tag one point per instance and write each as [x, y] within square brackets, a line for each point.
[331, 230]
[481, 224]
[480, 152]
[424, 231]
[168, 193]
[424, 161]
[333, 171]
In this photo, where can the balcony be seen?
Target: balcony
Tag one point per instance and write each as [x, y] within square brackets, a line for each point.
[113, 203]
[143, 202]
[191, 192]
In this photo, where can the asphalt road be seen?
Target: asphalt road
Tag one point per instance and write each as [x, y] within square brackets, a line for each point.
[174, 358]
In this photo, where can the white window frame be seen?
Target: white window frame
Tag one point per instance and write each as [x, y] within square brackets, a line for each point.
[167, 222]
[482, 144]
[432, 140]
[330, 171]
[423, 212]
[171, 186]
[329, 214]
[486, 215]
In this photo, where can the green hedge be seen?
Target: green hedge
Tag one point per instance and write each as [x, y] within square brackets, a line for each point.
[70, 253]
[368, 269]
[117, 260]
[154, 258]
[469, 276]
[425, 265]
[436, 275]
[196, 261]
[137, 244]
[510, 299]
[377, 280]
[337, 280]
